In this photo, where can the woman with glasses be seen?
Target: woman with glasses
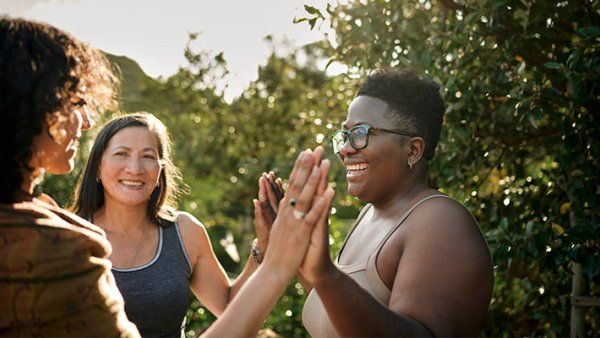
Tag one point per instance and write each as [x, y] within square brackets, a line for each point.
[415, 263]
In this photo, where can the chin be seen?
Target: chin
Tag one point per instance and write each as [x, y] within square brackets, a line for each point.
[355, 191]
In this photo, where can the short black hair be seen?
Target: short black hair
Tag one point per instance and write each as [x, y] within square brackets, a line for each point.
[415, 103]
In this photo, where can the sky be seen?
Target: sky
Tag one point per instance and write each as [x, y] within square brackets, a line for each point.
[154, 32]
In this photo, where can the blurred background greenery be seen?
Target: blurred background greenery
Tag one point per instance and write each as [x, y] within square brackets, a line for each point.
[519, 146]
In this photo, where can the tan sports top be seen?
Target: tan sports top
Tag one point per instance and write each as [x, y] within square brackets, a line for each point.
[363, 269]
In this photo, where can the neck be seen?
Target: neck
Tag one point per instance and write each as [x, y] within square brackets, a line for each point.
[395, 203]
[118, 218]
[30, 180]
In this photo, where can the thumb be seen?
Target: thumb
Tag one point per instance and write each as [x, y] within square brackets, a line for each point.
[258, 215]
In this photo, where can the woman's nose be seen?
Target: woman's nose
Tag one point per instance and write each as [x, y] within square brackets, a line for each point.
[87, 120]
[134, 165]
[347, 148]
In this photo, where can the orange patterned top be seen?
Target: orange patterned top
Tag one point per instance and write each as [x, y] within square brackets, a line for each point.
[55, 275]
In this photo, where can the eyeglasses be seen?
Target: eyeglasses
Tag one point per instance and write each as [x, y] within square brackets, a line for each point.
[359, 136]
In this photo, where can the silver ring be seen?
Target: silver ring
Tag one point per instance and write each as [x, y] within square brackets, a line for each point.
[298, 214]
[293, 202]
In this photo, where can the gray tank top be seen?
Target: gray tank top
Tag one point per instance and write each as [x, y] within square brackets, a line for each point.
[157, 294]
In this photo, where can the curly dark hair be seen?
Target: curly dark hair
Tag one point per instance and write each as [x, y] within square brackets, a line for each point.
[89, 194]
[43, 70]
[415, 103]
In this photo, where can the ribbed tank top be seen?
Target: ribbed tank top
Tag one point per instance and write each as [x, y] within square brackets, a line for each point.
[364, 272]
[157, 294]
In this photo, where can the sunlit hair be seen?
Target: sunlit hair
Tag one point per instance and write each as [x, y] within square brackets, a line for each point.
[415, 103]
[44, 73]
[89, 194]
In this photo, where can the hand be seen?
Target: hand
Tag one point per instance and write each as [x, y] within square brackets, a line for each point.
[273, 188]
[290, 236]
[317, 262]
[270, 193]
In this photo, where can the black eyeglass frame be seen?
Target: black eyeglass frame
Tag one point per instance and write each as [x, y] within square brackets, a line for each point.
[348, 134]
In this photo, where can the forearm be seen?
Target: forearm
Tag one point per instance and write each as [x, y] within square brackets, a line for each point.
[250, 307]
[250, 267]
[367, 316]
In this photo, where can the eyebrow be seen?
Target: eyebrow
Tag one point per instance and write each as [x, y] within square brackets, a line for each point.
[345, 125]
[128, 148]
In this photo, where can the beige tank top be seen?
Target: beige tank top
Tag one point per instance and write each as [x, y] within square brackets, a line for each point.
[363, 271]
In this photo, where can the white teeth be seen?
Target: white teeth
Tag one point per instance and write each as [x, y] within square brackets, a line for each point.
[358, 166]
[132, 183]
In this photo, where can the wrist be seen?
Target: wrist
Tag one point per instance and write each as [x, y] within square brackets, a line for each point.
[326, 277]
[273, 276]
[257, 252]
[276, 270]
[261, 243]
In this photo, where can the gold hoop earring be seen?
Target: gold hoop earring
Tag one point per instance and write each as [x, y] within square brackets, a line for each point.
[410, 165]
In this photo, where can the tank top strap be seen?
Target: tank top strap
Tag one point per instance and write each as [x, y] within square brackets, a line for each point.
[379, 289]
[358, 219]
[403, 218]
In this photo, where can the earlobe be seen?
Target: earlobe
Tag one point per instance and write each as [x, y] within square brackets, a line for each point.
[417, 148]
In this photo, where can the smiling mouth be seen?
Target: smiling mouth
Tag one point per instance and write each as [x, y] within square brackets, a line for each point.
[355, 169]
[135, 184]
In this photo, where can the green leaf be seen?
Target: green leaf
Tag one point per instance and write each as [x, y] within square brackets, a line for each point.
[553, 65]
[589, 32]
[521, 67]
[296, 20]
[426, 58]
[313, 10]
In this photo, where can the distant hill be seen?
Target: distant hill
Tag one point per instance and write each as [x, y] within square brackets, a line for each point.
[136, 86]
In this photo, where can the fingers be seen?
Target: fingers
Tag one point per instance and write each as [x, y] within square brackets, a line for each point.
[325, 165]
[304, 199]
[258, 215]
[315, 212]
[262, 190]
[268, 213]
[300, 173]
[322, 223]
[273, 194]
[276, 185]
[318, 154]
[279, 184]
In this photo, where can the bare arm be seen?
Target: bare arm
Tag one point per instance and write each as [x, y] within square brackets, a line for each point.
[209, 281]
[270, 193]
[442, 283]
[288, 242]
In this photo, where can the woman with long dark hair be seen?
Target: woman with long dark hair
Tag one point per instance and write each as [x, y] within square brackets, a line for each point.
[129, 189]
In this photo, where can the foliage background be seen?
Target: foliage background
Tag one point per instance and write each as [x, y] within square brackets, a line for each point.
[519, 146]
